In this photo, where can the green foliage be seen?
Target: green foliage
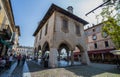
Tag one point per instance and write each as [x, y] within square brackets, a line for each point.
[111, 21]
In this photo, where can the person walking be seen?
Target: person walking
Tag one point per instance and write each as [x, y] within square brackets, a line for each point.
[18, 59]
[10, 60]
[46, 59]
[23, 59]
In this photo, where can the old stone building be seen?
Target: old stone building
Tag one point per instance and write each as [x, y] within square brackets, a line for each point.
[61, 29]
[99, 44]
[16, 37]
[7, 27]
[25, 50]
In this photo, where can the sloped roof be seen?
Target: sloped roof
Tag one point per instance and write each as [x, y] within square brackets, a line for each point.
[53, 8]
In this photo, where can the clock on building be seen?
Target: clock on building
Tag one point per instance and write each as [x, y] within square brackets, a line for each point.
[94, 37]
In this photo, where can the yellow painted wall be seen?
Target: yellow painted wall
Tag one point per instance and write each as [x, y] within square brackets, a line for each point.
[2, 14]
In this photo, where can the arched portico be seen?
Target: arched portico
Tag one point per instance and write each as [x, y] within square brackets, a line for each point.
[38, 52]
[45, 48]
[64, 53]
[35, 53]
[61, 31]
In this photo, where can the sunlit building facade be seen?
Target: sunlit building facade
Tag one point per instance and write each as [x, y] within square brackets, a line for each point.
[7, 27]
[99, 44]
[60, 29]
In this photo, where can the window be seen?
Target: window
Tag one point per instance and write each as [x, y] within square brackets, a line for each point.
[104, 34]
[0, 7]
[106, 44]
[93, 30]
[46, 28]
[65, 25]
[36, 39]
[77, 29]
[95, 45]
[94, 37]
[40, 34]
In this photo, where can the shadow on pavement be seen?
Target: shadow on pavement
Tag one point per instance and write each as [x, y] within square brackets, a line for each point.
[90, 71]
[73, 71]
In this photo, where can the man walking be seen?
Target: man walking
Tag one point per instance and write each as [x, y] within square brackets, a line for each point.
[18, 59]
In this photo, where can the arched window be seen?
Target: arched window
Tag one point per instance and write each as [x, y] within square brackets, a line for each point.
[46, 29]
[95, 45]
[64, 25]
[77, 30]
[40, 34]
[0, 7]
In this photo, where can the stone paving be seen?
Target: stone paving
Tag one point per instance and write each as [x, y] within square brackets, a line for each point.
[32, 69]
[14, 71]
[93, 70]
[18, 71]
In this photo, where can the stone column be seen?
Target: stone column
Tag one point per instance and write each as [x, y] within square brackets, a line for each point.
[59, 55]
[72, 58]
[85, 58]
[102, 56]
[53, 62]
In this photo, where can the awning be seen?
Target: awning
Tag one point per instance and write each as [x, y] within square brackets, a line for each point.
[115, 52]
[7, 43]
[100, 51]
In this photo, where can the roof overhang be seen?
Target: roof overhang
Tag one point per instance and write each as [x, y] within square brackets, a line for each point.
[53, 8]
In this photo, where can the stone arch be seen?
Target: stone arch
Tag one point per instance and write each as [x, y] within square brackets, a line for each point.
[39, 47]
[80, 48]
[65, 43]
[67, 47]
[39, 50]
[84, 55]
[45, 47]
[35, 52]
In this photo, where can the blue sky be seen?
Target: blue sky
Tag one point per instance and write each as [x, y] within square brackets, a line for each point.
[27, 14]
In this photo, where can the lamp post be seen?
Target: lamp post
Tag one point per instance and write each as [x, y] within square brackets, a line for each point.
[108, 2]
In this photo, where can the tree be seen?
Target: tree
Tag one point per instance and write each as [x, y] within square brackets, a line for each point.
[111, 21]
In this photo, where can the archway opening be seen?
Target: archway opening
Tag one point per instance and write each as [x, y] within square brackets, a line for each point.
[77, 56]
[63, 55]
[39, 52]
[45, 49]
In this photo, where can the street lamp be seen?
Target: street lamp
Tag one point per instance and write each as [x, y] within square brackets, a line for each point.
[106, 2]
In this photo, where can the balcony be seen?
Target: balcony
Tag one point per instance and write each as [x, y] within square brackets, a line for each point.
[5, 34]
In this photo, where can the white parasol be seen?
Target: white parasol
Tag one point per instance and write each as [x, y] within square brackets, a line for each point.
[115, 52]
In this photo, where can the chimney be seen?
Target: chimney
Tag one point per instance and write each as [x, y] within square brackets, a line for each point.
[70, 9]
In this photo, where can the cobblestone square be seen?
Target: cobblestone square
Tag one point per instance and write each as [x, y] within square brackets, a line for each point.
[93, 70]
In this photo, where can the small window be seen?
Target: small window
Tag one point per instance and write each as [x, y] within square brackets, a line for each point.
[65, 25]
[40, 34]
[77, 29]
[104, 34]
[93, 30]
[95, 45]
[106, 44]
[94, 37]
[0, 7]
[36, 39]
[46, 28]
